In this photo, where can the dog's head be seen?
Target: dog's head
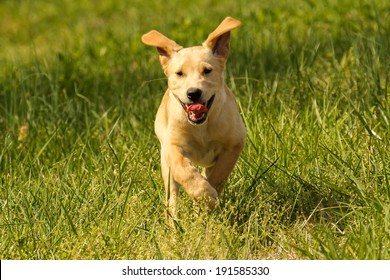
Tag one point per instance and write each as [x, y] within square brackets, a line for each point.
[195, 74]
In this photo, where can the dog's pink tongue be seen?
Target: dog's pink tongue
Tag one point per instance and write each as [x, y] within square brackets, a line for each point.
[197, 108]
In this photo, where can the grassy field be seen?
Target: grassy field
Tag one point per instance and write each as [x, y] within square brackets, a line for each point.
[79, 161]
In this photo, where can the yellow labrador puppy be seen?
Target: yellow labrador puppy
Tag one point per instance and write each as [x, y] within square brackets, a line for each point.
[197, 123]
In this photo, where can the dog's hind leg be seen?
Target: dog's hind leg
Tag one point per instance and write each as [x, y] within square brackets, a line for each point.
[217, 174]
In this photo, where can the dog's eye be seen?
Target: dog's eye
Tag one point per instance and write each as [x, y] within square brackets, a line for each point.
[207, 71]
[179, 73]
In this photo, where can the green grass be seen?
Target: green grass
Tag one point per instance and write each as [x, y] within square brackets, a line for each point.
[79, 162]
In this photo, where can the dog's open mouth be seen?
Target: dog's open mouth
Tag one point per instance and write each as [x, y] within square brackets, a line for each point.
[197, 112]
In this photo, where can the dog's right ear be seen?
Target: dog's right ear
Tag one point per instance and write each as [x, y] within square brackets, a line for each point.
[166, 47]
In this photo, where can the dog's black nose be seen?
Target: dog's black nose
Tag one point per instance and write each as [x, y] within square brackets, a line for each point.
[194, 94]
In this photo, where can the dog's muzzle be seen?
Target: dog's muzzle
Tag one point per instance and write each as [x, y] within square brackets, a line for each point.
[197, 112]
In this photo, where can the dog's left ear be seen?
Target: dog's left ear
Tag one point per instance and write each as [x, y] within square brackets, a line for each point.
[219, 39]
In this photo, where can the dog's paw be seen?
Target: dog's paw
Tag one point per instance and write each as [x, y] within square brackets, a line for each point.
[207, 194]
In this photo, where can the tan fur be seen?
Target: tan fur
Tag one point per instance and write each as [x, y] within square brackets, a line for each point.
[216, 143]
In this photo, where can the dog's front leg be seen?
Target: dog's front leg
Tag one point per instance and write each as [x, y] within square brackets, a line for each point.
[171, 187]
[218, 173]
[183, 172]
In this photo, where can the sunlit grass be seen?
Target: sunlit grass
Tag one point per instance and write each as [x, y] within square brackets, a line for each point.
[79, 162]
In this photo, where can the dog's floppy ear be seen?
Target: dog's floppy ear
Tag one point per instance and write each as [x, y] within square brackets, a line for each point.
[166, 47]
[219, 39]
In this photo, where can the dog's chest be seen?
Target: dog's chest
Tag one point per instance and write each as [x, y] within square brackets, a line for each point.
[203, 153]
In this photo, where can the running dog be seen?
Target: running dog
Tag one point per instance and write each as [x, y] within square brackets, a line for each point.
[198, 122]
